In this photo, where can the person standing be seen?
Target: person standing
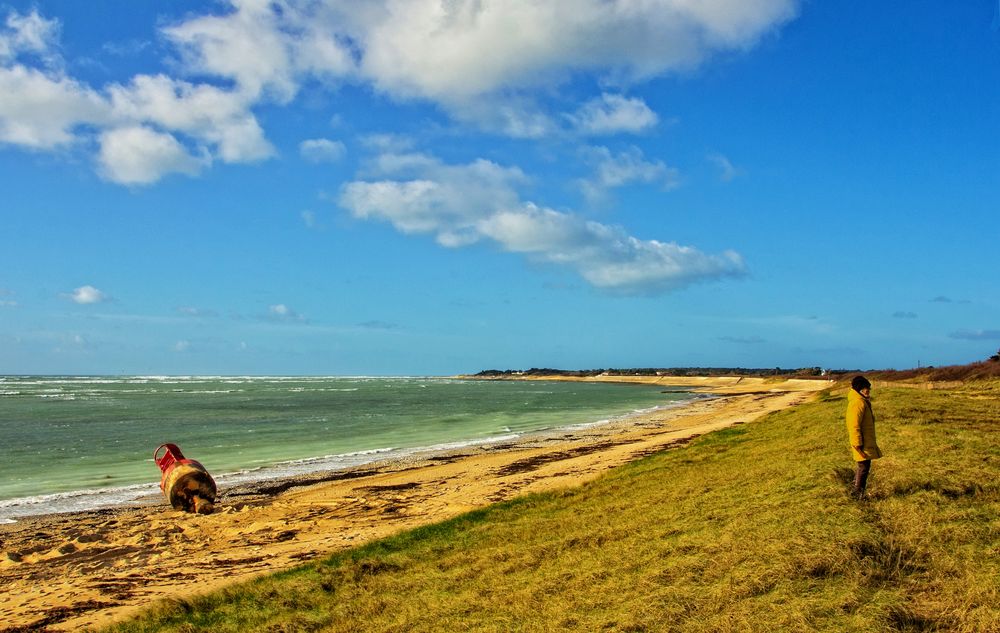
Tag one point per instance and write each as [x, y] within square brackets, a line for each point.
[861, 433]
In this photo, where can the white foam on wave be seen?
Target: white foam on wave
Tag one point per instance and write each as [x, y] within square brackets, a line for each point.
[74, 501]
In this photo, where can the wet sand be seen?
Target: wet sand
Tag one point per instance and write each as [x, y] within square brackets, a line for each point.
[66, 572]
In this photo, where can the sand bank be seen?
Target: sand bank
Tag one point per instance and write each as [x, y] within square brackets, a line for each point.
[65, 572]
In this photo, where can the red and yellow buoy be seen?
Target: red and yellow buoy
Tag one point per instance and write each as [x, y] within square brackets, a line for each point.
[185, 482]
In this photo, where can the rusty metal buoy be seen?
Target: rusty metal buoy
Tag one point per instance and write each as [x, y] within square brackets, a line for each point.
[185, 482]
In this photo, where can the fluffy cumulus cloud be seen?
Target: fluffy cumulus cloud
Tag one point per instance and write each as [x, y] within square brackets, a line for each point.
[280, 312]
[480, 201]
[267, 48]
[462, 49]
[39, 105]
[215, 118]
[482, 62]
[464, 54]
[40, 110]
[86, 295]
[29, 34]
[138, 156]
[613, 114]
[419, 194]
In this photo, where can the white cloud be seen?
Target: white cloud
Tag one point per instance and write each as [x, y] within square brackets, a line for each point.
[46, 110]
[266, 47]
[428, 196]
[624, 168]
[616, 170]
[464, 204]
[40, 108]
[604, 255]
[182, 346]
[727, 171]
[517, 117]
[281, 312]
[454, 50]
[613, 114]
[477, 59]
[140, 156]
[30, 34]
[389, 143]
[127, 48]
[246, 45]
[192, 311]
[40, 111]
[490, 64]
[322, 150]
[86, 295]
[209, 114]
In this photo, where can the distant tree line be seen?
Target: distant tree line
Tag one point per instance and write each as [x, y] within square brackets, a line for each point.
[656, 371]
[989, 368]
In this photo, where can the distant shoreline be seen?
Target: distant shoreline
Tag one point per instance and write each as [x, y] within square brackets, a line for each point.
[729, 385]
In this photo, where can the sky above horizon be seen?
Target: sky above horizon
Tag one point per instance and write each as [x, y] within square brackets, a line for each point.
[444, 186]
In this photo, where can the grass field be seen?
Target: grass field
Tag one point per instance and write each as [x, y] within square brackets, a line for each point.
[748, 529]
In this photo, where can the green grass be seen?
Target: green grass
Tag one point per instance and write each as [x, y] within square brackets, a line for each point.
[747, 529]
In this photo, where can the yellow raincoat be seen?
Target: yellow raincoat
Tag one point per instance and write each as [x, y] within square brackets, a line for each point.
[861, 427]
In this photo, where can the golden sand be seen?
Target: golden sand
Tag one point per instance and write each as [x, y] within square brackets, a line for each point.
[68, 571]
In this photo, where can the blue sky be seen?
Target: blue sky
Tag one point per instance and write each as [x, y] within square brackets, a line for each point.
[431, 187]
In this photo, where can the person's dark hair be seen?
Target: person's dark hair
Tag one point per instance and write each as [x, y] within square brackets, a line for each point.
[859, 383]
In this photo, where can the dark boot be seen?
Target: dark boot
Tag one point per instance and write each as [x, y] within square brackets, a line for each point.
[861, 480]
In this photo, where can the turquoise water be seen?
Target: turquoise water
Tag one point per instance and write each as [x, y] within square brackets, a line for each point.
[77, 443]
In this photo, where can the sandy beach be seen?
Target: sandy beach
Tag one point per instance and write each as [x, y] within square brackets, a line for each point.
[66, 572]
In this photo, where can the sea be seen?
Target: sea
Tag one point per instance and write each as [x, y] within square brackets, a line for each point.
[74, 443]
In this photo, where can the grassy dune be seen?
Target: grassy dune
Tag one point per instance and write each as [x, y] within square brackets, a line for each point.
[748, 529]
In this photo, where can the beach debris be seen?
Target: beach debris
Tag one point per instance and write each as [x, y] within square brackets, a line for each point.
[185, 482]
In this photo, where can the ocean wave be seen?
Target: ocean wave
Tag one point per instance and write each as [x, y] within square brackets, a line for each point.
[75, 501]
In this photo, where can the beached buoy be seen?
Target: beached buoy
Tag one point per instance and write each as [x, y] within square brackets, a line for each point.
[185, 482]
